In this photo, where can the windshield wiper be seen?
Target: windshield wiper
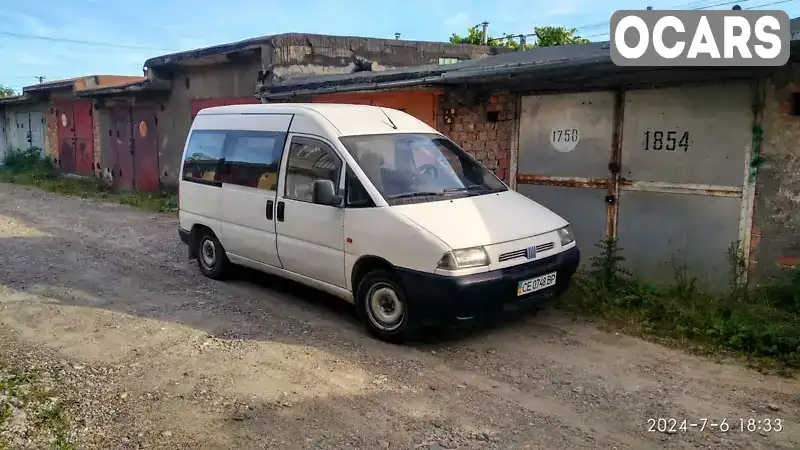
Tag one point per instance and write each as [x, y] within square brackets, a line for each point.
[473, 187]
[416, 194]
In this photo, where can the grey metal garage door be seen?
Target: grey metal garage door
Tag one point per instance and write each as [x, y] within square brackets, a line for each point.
[661, 169]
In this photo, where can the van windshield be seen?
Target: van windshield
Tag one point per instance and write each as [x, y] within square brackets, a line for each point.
[417, 168]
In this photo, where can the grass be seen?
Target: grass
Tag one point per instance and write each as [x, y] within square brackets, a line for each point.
[29, 168]
[759, 323]
[46, 417]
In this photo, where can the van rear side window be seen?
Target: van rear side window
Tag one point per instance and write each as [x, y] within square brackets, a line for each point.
[202, 163]
[252, 159]
[244, 158]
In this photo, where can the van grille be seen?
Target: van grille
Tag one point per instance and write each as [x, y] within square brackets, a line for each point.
[522, 252]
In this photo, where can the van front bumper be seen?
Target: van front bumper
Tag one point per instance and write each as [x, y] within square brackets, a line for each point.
[444, 300]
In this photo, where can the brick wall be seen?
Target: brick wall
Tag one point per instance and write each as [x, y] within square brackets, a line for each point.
[484, 128]
[776, 219]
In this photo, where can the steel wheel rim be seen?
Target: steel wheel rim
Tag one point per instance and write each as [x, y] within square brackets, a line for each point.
[385, 309]
[208, 254]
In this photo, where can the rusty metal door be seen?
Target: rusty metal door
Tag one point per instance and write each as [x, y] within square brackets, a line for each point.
[110, 162]
[685, 153]
[202, 103]
[145, 148]
[66, 136]
[84, 136]
[123, 172]
[565, 145]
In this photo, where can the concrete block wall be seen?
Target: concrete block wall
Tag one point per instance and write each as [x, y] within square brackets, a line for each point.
[484, 128]
[776, 219]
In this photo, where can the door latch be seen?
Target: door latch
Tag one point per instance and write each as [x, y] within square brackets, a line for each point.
[270, 205]
[610, 199]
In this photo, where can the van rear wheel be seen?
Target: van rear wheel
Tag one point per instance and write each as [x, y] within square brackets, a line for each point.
[384, 308]
[211, 256]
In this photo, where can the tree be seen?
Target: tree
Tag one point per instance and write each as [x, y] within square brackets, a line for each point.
[544, 37]
[6, 91]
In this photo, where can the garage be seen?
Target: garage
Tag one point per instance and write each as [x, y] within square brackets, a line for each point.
[673, 191]
[75, 136]
[420, 104]
[24, 127]
[203, 103]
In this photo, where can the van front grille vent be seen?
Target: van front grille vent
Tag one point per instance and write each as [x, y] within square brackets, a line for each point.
[522, 253]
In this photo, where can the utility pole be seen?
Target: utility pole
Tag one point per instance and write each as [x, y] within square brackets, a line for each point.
[40, 78]
[397, 36]
[522, 42]
[485, 33]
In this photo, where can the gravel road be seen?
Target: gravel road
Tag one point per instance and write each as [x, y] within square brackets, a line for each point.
[154, 355]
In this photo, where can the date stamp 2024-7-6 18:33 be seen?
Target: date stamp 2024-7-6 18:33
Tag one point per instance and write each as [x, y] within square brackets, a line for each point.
[745, 425]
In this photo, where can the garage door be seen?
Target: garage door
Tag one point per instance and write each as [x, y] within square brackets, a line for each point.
[680, 154]
[202, 103]
[419, 104]
[683, 155]
[565, 144]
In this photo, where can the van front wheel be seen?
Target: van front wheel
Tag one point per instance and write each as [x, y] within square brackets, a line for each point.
[384, 308]
[211, 256]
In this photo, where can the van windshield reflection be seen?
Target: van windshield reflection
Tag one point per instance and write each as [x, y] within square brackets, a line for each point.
[419, 168]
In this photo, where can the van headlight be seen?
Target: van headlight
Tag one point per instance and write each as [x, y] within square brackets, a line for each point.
[464, 258]
[566, 236]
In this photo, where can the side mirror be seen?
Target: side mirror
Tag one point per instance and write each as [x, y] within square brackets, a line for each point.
[324, 193]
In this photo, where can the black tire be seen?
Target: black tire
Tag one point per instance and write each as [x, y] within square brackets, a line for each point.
[211, 257]
[407, 326]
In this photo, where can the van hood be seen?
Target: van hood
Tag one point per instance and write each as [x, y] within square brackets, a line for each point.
[483, 219]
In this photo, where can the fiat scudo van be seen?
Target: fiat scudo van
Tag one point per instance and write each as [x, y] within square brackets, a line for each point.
[369, 204]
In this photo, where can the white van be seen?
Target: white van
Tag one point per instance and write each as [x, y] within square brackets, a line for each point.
[369, 204]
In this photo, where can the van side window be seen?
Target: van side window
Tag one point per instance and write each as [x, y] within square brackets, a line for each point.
[252, 159]
[203, 157]
[310, 160]
[357, 196]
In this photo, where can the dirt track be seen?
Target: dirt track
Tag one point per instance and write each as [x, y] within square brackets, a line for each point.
[158, 356]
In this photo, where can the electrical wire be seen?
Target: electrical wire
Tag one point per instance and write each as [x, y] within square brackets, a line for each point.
[719, 4]
[76, 41]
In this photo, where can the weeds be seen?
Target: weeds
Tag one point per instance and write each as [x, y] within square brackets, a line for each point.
[760, 322]
[45, 413]
[30, 168]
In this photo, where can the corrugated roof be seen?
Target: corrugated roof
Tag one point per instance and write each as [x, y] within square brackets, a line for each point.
[439, 74]
[594, 58]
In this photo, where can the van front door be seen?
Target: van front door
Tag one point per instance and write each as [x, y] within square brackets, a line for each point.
[310, 236]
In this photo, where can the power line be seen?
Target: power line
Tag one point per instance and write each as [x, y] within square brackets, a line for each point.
[770, 4]
[719, 4]
[76, 41]
[698, 4]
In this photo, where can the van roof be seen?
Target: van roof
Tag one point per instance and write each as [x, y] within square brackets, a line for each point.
[347, 119]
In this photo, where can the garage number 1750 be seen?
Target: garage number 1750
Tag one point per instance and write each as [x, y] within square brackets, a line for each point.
[666, 140]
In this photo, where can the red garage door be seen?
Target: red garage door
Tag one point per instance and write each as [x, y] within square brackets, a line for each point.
[420, 104]
[202, 103]
[75, 136]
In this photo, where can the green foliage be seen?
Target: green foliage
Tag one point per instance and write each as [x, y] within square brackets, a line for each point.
[762, 322]
[30, 168]
[6, 91]
[545, 37]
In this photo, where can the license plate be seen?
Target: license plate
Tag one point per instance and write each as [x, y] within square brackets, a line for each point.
[536, 284]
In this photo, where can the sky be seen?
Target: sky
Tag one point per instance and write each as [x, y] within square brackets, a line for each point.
[34, 34]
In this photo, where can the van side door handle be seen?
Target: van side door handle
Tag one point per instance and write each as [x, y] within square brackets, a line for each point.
[270, 205]
[279, 213]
